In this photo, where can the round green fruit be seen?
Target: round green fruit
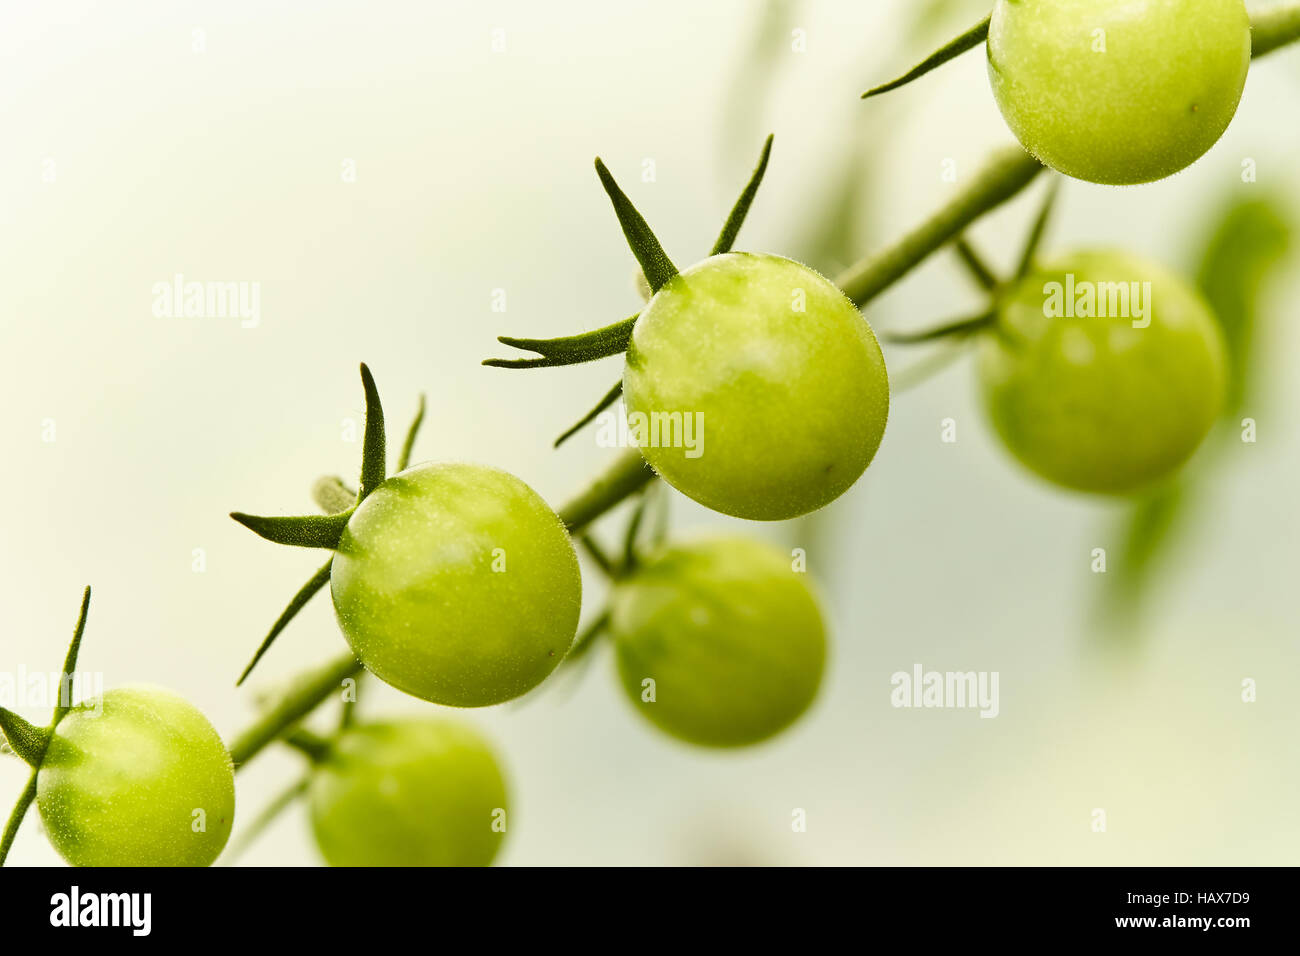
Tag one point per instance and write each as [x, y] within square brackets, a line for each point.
[725, 637]
[137, 777]
[754, 386]
[1111, 402]
[457, 584]
[409, 793]
[1118, 91]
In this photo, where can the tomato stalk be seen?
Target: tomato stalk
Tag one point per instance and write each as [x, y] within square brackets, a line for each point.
[1009, 171]
[307, 693]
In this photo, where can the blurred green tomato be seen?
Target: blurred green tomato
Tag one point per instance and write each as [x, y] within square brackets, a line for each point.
[138, 778]
[1099, 402]
[457, 584]
[759, 389]
[728, 633]
[1118, 91]
[409, 793]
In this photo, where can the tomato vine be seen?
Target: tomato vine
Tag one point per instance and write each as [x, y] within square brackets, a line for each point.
[1008, 173]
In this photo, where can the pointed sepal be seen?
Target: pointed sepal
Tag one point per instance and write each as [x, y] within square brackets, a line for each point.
[64, 703]
[656, 265]
[25, 739]
[268, 815]
[587, 639]
[305, 594]
[979, 270]
[609, 399]
[409, 443]
[1039, 229]
[967, 41]
[299, 531]
[374, 450]
[570, 349]
[731, 229]
[332, 496]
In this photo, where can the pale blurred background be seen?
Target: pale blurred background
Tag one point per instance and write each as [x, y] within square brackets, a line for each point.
[210, 139]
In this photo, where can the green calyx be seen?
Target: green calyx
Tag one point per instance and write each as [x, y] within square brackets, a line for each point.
[31, 742]
[656, 268]
[963, 329]
[325, 531]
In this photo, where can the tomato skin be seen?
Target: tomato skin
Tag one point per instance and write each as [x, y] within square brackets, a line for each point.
[1095, 404]
[119, 788]
[731, 635]
[418, 599]
[1154, 102]
[792, 403]
[408, 793]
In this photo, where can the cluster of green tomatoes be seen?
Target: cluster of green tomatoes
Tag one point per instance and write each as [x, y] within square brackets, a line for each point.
[459, 585]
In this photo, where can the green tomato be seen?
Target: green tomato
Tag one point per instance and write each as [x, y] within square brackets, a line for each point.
[136, 778]
[754, 386]
[1118, 91]
[457, 584]
[1110, 403]
[409, 793]
[730, 635]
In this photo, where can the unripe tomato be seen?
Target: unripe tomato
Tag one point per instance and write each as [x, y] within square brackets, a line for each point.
[1102, 404]
[457, 584]
[409, 793]
[775, 372]
[137, 778]
[730, 635]
[1118, 91]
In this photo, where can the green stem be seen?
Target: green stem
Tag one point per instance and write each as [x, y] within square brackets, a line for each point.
[16, 817]
[309, 691]
[624, 477]
[1275, 27]
[1010, 171]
